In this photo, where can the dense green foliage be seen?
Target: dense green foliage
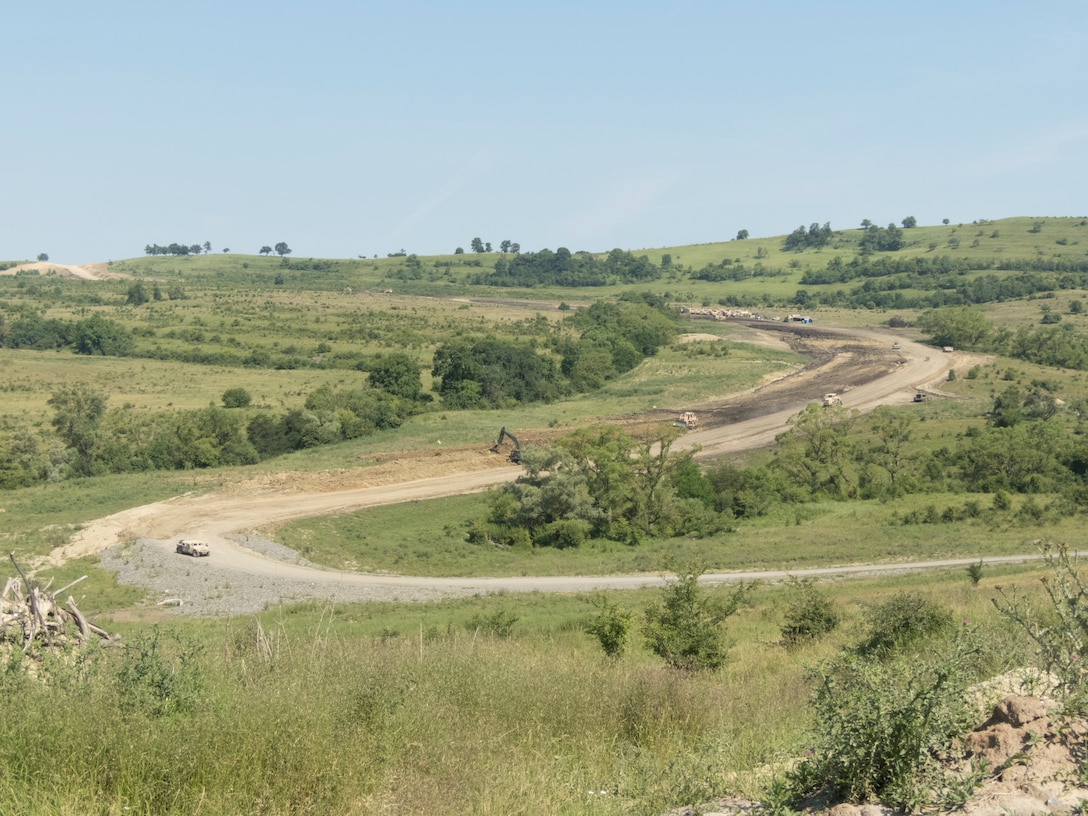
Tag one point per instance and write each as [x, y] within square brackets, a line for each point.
[567, 269]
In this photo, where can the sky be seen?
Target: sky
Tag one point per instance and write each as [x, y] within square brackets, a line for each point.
[350, 129]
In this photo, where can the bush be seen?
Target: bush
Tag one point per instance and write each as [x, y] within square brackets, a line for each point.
[612, 627]
[810, 614]
[685, 627]
[1061, 634]
[236, 398]
[880, 726]
[902, 621]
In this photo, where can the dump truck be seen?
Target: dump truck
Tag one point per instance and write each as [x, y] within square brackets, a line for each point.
[515, 454]
[687, 420]
[190, 546]
[832, 399]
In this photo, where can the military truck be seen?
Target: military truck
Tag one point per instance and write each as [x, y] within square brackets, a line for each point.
[190, 546]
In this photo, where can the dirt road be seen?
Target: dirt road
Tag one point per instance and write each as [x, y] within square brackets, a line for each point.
[858, 363]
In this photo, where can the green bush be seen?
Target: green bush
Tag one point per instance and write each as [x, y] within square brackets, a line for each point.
[685, 627]
[612, 627]
[810, 614]
[902, 621]
[1060, 633]
[880, 727]
[236, 398]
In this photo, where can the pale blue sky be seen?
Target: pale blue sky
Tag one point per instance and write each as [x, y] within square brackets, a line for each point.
[362, 128]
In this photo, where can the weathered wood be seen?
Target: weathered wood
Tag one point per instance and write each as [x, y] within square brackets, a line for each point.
[84, 627]
[40, 618]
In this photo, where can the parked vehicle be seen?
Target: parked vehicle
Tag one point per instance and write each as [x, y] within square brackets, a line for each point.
[190, 546]
[832, 399]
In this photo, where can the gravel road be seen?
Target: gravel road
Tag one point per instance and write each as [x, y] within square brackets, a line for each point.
[246, 573]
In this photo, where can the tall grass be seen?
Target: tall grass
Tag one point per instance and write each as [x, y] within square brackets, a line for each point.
[311, 713]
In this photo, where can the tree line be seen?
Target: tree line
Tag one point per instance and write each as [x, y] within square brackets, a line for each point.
[564, 268]
[604, 483]
[468, 373]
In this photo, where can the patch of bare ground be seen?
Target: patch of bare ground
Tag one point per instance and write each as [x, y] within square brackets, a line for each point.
[95, 271]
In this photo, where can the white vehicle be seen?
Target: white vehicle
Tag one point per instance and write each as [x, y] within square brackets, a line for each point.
[832, 399]
[189, 546]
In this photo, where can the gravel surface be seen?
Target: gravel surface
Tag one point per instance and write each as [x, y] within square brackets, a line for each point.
[202, 588]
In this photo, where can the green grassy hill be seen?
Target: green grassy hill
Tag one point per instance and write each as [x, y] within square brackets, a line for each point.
[505, 704]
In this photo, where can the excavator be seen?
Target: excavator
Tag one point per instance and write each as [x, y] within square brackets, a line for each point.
[515, 454]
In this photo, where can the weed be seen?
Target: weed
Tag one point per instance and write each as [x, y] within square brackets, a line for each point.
[1061, 633]
[880, 724]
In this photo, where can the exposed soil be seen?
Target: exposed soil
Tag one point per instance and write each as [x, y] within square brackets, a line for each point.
[97, 271]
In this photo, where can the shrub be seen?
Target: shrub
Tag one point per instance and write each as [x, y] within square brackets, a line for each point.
[612, 627]
[236, 398]
[880, 726]
[810, 614]
[902, 621]
[685, 627]
[1061, 633]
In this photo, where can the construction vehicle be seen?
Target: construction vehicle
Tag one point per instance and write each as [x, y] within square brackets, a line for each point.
[895, 346]
[190, 546]
[687, 420]
[515, 454]
[832, 399]
[921, 396]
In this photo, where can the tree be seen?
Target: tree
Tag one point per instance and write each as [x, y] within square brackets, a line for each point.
[742, 235]
[282, 249]
[910, 222]
[398, 374]
[816, 450]
[960, 328]
[684, 628]
[100, 335]
[459, 251]
[504, 247]
[236, 398]
[477, 245]
[266, 250]
[137, 294]
[207, 247]
[43, 257]
[515, 248]
[78, 411]
[226, 250]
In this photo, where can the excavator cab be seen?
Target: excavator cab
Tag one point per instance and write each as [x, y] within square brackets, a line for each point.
[515, 454]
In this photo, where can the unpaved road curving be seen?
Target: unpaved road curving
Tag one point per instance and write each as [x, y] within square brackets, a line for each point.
[139, 543]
